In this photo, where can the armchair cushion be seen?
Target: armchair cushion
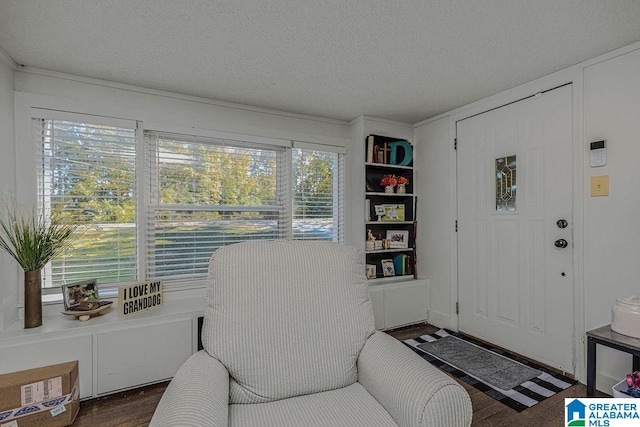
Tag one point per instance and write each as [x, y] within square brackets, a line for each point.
[349, 406]
[198, 395]
[414, 392]
[286, 318]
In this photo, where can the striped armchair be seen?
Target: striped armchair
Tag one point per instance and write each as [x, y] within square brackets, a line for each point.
[289, 340]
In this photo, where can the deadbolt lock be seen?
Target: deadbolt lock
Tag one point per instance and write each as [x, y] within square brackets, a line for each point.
[561, 243]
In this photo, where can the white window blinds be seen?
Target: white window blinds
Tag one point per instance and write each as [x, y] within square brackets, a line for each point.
[205, 194]
[192, 196]
[318, 182]
[88, 172]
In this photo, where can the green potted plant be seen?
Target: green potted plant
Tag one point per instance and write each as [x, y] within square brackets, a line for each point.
[33, 239]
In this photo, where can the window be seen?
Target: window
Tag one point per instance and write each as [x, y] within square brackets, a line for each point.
[317, 199]
[506, 187]
[205, 194]
[88, 172]
[159, 206]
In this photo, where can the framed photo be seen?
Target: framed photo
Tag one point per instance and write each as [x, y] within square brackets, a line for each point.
[387, 267]
[371, 271]
[398, 239]
[78, 292]
[393, 213]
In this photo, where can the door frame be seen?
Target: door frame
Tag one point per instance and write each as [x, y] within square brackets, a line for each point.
[573, 76]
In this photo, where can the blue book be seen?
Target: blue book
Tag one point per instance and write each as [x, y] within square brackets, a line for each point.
[398, 264]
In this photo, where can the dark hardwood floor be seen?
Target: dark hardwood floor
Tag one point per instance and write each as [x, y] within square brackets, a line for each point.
[490, 412]
[127, 409]
[135, 407]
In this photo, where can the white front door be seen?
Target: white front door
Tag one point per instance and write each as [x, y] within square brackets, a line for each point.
[514, 177]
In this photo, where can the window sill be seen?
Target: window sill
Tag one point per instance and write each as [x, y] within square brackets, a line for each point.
[177, 304]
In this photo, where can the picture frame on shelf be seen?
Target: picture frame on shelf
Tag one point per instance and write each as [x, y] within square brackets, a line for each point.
[393, 213]
[75, 293]
[371, 271]
[380, 211]
[398, 239]
[388, 268]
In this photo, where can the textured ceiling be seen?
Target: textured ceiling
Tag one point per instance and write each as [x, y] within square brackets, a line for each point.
[400, 60]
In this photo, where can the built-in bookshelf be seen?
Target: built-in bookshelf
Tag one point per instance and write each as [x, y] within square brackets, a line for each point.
[390, 221]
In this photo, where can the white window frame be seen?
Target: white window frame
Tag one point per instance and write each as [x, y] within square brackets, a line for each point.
[279, 208]
[26, 193]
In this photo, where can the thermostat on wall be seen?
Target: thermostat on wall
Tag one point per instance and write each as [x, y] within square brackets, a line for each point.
[598, 151]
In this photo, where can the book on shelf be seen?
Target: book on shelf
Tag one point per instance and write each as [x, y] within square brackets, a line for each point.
[402, 265]
[389, 151]
[408, 264]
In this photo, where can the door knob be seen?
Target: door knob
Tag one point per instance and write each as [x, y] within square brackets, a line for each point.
[562, 223]
[561, 243]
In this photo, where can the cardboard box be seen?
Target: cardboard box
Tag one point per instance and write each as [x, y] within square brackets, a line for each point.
[47, 396]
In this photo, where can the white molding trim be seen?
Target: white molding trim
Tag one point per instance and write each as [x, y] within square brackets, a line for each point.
[307, 130]
[441, 320]
[578, 229]
[213, 133]
[610, 55]
[4, 55]
[174, 95]
[453, 208]
[531, 87]
[364, 117]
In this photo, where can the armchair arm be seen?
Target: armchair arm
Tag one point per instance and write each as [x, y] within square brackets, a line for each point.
[413, 391]
[198, 395]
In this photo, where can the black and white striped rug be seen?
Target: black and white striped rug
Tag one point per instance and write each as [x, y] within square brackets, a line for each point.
[520, 397]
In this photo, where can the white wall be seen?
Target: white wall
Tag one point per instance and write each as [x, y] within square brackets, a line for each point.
[168, 111]
[8, 268]
[157, 110]
[435, 190]
[612, 224]
[607, 236]
[611, 236]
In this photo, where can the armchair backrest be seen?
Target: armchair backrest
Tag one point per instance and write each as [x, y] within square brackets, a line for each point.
[286, 318]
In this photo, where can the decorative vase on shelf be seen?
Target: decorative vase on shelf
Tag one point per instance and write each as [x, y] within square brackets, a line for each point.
[33, 238]
[388, 189]
[402, 189]
[32, 299]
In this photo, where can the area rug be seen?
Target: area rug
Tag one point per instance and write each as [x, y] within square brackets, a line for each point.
[513, 381]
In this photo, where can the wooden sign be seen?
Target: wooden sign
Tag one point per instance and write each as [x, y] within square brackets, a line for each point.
[139, 297]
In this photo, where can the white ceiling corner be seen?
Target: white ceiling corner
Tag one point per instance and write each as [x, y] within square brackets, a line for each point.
[404, 60]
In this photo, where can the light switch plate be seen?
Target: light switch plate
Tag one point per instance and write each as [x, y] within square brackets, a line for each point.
[600, 186]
